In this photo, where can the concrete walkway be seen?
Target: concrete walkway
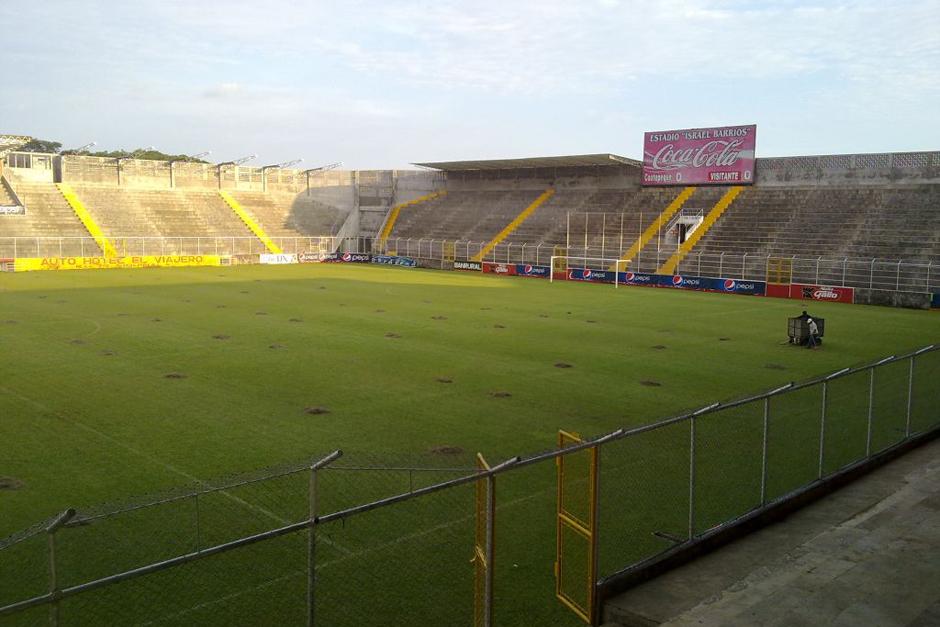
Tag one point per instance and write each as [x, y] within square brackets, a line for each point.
[866, 555]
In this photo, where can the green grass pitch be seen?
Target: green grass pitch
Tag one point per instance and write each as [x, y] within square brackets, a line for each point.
[88, 414]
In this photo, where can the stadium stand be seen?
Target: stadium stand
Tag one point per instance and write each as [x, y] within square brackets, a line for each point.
[6, 195]
[249, 221]
[888, 222]
[48, 215]
[290, 215]
[161, 213]
[87, 220]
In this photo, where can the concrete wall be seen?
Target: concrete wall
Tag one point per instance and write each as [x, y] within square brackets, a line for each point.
[908, 300]
[898, 168]
[585, 177]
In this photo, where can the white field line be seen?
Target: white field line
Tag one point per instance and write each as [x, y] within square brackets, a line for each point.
[154, 460]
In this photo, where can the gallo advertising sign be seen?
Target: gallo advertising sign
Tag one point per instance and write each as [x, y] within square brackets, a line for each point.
[394, 260]
[508, 269]
[721, 155]
[822, 293]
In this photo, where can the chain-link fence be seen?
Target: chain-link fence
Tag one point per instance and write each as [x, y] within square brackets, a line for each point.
[357, 540]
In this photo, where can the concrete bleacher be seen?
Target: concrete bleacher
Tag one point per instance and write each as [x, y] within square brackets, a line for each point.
[50, 227]
[882, 222]
[463, 215]
[290, 215]
[160, 213]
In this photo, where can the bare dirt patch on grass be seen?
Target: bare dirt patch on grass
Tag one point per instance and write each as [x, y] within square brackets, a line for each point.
[11, 483]
[446, 449]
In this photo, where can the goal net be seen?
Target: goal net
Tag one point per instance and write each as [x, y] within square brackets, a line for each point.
[588, 269]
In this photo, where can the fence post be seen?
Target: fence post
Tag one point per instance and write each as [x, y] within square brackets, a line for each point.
[871, 409]
[312, 535]
[844, 262]
[51, 531]
[763, 462]
[822, 427]
[691, 476]
[198, 524]
[897, 283]
[910, 393]
[721, 263]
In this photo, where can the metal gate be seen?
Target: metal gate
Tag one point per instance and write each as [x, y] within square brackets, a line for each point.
[780, 270]
[576, 548]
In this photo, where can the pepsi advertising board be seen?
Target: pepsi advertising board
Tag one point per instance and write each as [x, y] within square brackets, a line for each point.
[592, 276]
[731, 286]
[638, 278]
[739, 286]
[347, 258]
[525, 269]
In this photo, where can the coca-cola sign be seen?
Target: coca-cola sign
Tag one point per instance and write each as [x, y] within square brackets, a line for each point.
[700, 156]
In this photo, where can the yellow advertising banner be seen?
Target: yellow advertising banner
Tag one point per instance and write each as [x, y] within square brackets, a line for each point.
[28, 264]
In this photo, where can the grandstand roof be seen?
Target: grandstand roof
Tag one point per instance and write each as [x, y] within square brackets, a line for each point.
[532, 162]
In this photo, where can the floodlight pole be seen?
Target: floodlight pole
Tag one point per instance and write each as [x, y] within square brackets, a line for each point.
[173, 162]
[264, 171]
[234, 162]
[322, 168]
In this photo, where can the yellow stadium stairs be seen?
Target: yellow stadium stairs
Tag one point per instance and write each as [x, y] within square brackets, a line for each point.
[89, 222]
[250, 222]
[727, 198]
[512, 226]
[396, 211]
[657, 224]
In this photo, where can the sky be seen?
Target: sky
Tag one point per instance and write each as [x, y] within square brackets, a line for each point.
[382, 84]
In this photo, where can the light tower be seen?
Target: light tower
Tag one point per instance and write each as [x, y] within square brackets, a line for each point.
[278, 166]
[185, 159]
[234, 162]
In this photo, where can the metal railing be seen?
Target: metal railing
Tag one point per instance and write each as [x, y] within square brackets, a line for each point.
[14, 247]
[302, 545]
[870, 273]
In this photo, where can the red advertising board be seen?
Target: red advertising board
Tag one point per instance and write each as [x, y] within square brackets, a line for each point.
[499, 268]
[721, 155]
[823, 293]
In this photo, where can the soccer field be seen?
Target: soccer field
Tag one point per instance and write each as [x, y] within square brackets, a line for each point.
[119, 383]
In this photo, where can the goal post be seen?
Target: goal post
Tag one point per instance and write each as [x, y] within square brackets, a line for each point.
[601, 265]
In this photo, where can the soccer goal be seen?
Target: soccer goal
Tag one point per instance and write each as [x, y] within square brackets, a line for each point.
[591, 269]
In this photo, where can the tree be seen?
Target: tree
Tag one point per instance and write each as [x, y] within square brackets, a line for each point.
[40, 145]
[144, 153]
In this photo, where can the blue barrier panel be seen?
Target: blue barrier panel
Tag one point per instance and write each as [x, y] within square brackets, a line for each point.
[524, 269]
[592, 276]
[393, 260]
